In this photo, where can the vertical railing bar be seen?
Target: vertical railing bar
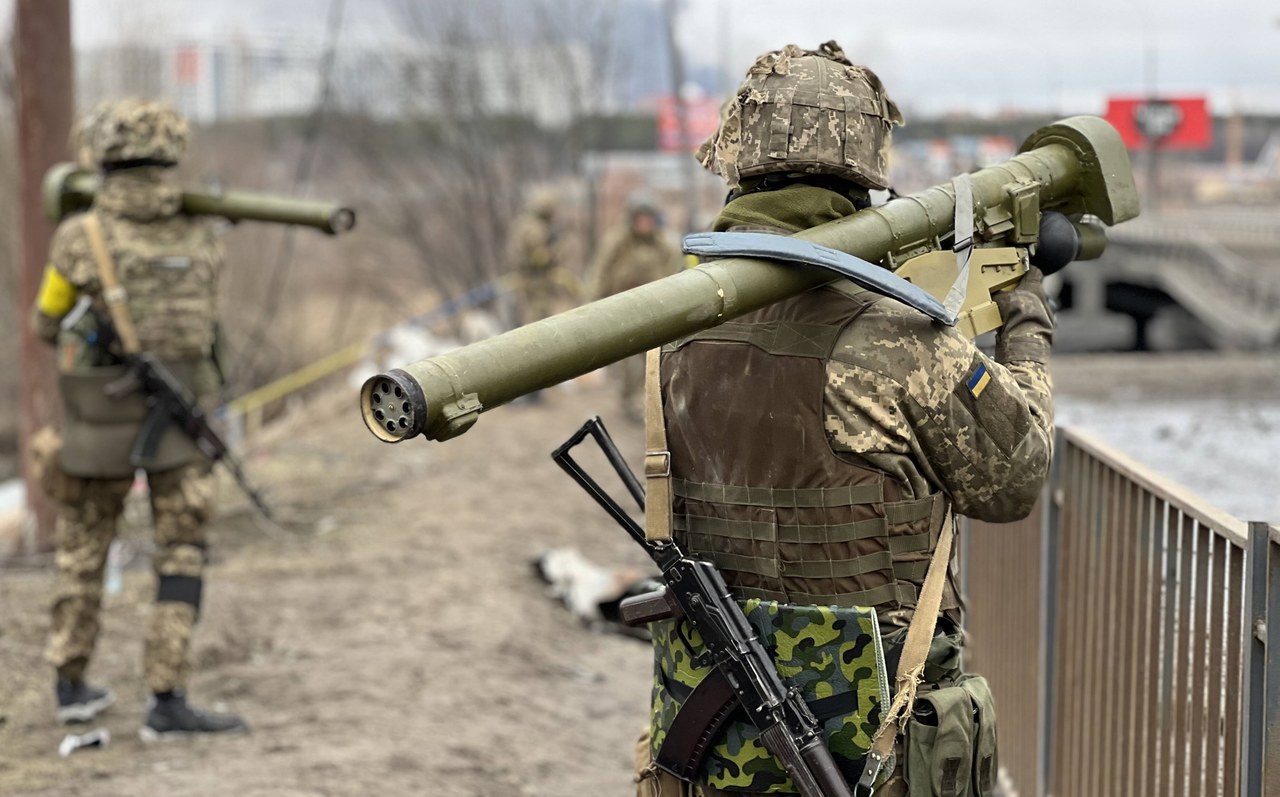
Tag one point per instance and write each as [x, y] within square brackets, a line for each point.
[1199, 651]
[1138, 673]
[1181, 689]
[1255, 669]
[1150, 660]
[1214, 682]
[1050, 551]
[1090, 535]
[1164, 617]
[1104, 770]
[1067, 684]
[1234, 646]
[1088, 761]
[1270, 773]
[1196, 662]
[1129, 541]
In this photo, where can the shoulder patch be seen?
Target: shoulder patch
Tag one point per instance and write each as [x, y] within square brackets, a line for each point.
[978, 380]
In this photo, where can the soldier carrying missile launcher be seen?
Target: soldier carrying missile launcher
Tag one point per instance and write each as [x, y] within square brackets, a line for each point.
[811, 439]
[133, 282]
[885, 422]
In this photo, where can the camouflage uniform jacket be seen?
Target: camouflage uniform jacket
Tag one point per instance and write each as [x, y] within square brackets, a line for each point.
[629, 260]
[168, 263]
[531, 249]
[897, 397]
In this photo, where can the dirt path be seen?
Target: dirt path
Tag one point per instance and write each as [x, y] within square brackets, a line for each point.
[395, 643]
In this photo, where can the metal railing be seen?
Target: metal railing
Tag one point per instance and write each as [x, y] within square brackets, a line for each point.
[1123, 630]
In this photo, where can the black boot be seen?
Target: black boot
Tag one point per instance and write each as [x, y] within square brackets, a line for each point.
[172, 717]
[79, 702]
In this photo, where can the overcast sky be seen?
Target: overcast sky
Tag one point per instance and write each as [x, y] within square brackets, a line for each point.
[934, 55]
[950, 54]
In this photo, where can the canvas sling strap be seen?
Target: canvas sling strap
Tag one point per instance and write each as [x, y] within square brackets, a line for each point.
[657, 455]
[955, 300]
[113, 292]
[911, 665]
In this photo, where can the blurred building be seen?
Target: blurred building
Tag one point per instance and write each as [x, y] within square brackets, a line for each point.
[214, 81]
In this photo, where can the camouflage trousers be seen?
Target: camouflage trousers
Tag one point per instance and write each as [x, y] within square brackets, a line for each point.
[88, 511]
[654, 782]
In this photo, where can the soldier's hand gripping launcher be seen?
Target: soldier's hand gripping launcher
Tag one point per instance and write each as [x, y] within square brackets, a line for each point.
[744, 675]
[1077, 166]
[69, 189]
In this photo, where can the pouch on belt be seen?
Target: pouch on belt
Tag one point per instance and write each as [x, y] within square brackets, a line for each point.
[99, 431]
[951, 741]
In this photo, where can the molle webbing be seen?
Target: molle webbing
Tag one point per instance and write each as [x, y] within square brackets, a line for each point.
[779, 497]
[755, 486]
[901, 594]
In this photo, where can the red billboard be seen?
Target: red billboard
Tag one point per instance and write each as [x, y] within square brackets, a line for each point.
[1169, 122]
[703, 116]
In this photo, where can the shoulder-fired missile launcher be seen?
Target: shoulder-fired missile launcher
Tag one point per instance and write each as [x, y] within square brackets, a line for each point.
[1077, 167]
[69, 189]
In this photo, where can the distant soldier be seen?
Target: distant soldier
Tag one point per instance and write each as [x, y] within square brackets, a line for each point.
[637, 253]
[534, 258]
[135, 261]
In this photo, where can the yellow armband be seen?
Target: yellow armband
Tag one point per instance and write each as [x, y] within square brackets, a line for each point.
[57, 296]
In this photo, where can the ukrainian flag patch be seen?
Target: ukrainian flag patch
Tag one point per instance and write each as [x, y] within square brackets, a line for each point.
[978, 382]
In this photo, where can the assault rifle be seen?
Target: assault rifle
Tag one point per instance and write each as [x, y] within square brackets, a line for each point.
[170, 402]
[743, 674]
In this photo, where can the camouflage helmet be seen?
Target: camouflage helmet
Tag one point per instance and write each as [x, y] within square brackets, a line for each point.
[641, 201]
[544, 202]
[138, 130]
[808, 111]
[82, 135]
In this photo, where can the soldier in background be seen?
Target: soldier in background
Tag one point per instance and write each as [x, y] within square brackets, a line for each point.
[166, 265]
[819, 446]
[637, 253]
[534, 258]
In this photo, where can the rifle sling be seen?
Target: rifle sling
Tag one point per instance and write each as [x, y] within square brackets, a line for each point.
[657, 454]
[113, 293]
[915, 649]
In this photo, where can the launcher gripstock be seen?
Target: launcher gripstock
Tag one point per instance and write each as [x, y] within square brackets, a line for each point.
[1075, 167]
[69, 189]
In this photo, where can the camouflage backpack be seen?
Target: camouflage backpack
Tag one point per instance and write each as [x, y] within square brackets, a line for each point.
[807, 111]
[833, 655]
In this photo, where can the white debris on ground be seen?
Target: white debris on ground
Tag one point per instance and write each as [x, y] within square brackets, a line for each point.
[13, 497]
[408, 342]
[400, 344]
